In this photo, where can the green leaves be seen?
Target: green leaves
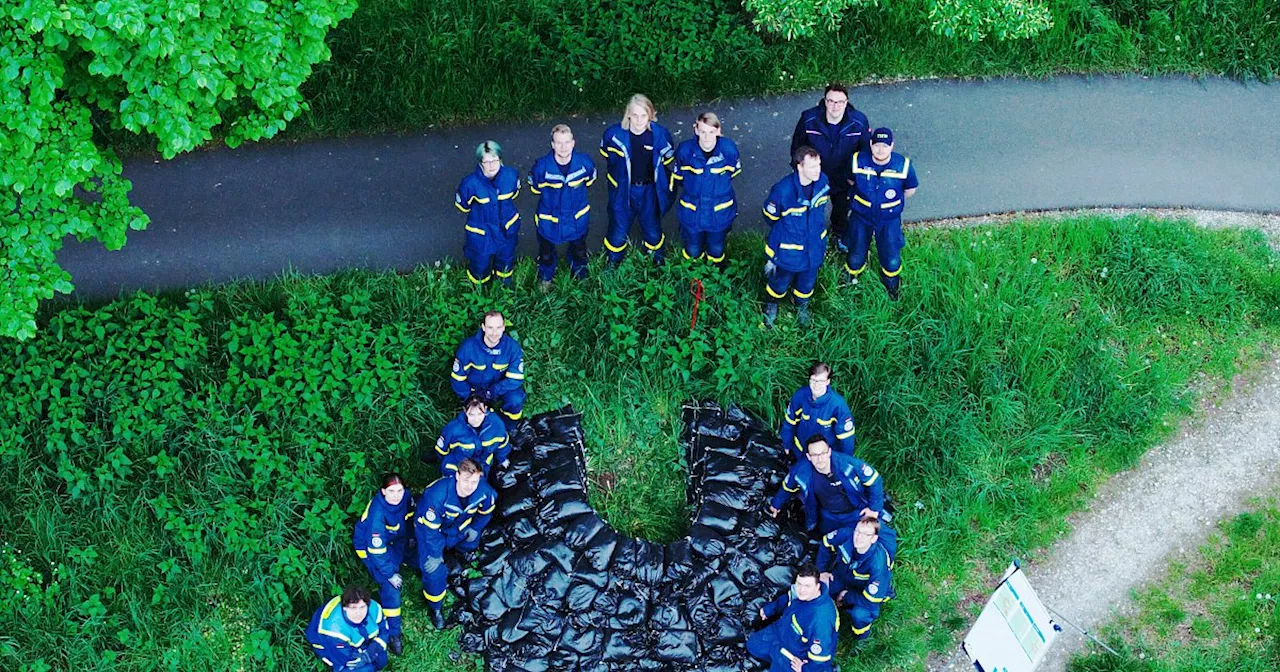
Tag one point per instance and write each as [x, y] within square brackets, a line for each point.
[174, 69]
[972, 20]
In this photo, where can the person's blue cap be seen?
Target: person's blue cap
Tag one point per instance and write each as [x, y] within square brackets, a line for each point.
[884, 134]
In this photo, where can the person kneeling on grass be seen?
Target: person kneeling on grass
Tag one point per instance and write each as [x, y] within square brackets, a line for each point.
[381, 540]
[452, 512]
[491, 364]
[802, 624]
[349, 633]
[857, 565]
[836, 490]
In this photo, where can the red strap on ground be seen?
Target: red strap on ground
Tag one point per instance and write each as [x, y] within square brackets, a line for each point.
[695, 288]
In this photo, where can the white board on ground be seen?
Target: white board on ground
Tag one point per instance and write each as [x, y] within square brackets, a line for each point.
[1014, 631]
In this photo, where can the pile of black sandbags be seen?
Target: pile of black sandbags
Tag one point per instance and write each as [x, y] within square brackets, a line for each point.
[561, 590]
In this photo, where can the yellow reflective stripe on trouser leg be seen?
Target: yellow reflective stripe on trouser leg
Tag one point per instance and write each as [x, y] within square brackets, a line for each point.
[803, 295]
[476, 281]
[774, 294]
[857, 272]
[891, 274]
[609, 246]
[432, 598]
[658, 245]
[862, 630]
[391, 613]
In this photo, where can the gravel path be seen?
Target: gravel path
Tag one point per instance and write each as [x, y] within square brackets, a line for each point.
[1164, 508]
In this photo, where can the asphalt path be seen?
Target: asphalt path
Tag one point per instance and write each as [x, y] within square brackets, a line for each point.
[979, 147]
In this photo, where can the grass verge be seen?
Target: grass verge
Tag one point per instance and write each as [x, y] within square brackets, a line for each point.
[1214, 611]
[178, 475]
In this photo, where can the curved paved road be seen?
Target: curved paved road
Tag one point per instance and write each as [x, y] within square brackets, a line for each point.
[979, 147]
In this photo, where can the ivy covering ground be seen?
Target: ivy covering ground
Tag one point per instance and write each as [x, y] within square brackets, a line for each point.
[179, 474]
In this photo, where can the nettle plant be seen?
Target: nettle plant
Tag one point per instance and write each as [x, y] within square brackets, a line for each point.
[175, 69]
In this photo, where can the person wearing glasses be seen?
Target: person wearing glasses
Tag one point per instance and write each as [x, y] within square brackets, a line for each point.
[836, 129]
[857, 565]
[488, 198]
[836, 490]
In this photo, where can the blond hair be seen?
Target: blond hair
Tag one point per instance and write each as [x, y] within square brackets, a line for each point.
[710, 119]
[561, 128]
[643, 101]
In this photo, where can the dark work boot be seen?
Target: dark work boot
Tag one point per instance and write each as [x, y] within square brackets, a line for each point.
[437, 619]
[395, 645]
[893, 291]
[770, 314]
[802, 315]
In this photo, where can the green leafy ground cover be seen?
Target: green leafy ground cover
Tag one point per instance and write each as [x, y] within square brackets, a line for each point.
[1216, 611]
[179, 475]
[400, 65]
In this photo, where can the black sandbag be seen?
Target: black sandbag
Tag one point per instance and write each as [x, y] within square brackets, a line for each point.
[581, 595]
[529, 561]
[734, 496]
[579, 530]
[516, 499]
[561, 556]
[703, 572]
[490, 606]
[512, 588]
[762, 553]
[521, 528]
[725, 592]
[564, 477]
[718, 517]
[669, 615]
[680, 561]
[650, 562]
[676, 646]
[553, 585]
[706, 542]
[744, 570]
[624, 557]
[563, 506]
[533, 648]
[781, 576]
[471, 642]
[509, 628]
[702, 610]
[510, 477]
[545, 451]
[625, 647]
[629, 612]
[790, 550]
[728, 630]
[492, 564]
[583, 641]
[562, 659]
[767, 528]
[542, 619]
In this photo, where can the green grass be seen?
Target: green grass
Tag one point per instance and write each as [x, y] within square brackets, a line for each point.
[404, 65]
[182, 471]
[1215, 612]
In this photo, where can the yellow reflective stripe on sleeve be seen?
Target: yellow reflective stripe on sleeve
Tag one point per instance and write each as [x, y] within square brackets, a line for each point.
[376, 551]
[508, 196]
[615, 150]
[424, 521]
[768, 250]
[818, 659]
[472, 229]
[795, 489]
[549, 218]
[611, 180]
[770, 216]
[459, 206]
[845, 435]
[515, 376]
[513, 416]
[432, 598]
[795, 624]
[791, 420]
[874, 477]
[794, 211]
[821, 201]
[490, 442]
[724, 205]
[457, 376]
[872, 598]
[791, 246]
[485, 512]
[393, 528]
[862, 200]
[361, 554]
[441, 449]
[512, 220]
[788, 654]
[582, 212]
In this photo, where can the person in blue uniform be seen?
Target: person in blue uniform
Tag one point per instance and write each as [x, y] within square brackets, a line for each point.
[452, 513]
[818, 409]
[883, 180]
[349, 633]
[836, 129]
[835, 490]
[638, 154]
[477, 434]
[800, 634]
[381, 540]
[797, 240]
[560, 180]
[704, 170]
[491, 364]
[488, 198]
[857, 564]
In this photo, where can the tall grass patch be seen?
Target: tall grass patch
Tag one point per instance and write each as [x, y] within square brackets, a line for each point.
[179, 474]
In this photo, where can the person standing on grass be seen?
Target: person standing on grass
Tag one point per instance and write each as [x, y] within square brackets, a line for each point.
[857, 564]
[835, 490]
[349, 633]
[801, 630]
[490, 364]
[488, 198]
[882, 181]
[381, 540]
[477, 434]
[705, 167]
[818, 409]
[638, 153]
[452, 513]
[796, 209]
[836, 129]
[560, 180]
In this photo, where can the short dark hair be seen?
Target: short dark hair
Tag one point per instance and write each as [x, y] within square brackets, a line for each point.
[474, 400]
[354, 594]
[391, 478]
[815, 438]
[819, 367]
[836, 86]
[809, 570]
[804, 152]
[469, 466]
[492, 313]
[873, 522]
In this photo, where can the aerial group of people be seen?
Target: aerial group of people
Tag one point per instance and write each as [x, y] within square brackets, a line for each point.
[837, 160]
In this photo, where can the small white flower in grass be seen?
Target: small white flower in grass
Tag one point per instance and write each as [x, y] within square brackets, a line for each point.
[1258, 596]
[919, 505]
[1034, 260]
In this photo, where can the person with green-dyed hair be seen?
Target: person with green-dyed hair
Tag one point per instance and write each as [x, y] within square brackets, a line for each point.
[488, 197]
